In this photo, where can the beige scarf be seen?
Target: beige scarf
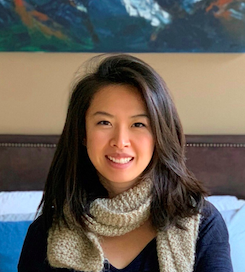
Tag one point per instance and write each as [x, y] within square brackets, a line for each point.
[72, 248]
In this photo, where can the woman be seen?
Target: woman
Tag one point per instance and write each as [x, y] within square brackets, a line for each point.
[118, 196]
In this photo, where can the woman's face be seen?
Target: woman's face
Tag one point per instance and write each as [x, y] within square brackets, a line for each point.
[119, 139]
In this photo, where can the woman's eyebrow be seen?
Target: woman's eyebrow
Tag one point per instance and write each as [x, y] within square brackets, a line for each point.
[103, 113]
[110, 115]
[140, 115]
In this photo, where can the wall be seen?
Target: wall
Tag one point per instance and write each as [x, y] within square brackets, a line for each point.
[208, 89]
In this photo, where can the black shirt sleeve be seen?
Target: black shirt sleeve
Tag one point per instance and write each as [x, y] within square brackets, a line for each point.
[212, 249]
[33, 257]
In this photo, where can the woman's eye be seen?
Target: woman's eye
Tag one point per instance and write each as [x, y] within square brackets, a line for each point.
[138, 125]
[104, 123]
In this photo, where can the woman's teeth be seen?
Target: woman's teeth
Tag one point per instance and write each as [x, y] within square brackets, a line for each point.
[121, 161]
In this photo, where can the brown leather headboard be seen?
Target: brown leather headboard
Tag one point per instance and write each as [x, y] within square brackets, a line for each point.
[25, 161]
[217, 160]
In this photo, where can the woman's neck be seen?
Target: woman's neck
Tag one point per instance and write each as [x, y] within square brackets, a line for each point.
[116, 188]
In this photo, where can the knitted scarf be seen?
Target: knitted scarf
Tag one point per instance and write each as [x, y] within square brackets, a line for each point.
[73, 248]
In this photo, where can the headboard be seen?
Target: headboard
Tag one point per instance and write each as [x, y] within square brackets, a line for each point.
[217, 160]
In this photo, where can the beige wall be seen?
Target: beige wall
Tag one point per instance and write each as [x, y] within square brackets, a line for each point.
[209, 90]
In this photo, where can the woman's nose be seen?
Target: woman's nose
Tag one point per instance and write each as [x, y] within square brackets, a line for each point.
[120, 138]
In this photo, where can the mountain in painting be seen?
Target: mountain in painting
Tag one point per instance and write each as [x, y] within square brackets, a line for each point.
[122, 25]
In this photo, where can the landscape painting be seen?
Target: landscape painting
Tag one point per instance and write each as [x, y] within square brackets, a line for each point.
[122, 26]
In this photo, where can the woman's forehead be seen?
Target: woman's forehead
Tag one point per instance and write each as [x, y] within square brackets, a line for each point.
[117, 97]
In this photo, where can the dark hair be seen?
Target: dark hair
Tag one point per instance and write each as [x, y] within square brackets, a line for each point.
[72, 178]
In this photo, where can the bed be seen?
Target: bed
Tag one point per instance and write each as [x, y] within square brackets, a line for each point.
[217, 160]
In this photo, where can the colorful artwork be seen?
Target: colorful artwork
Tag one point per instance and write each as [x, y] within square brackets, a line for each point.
[122, 25]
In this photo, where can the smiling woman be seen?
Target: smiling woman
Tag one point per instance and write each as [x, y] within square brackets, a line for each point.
[119, 196]
[119, 139]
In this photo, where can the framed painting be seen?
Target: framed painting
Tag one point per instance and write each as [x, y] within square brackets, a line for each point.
[122, 25]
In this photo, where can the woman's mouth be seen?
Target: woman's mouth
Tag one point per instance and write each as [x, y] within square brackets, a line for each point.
[120, 160]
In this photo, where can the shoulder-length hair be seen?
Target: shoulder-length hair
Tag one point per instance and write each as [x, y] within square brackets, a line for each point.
[72, 178]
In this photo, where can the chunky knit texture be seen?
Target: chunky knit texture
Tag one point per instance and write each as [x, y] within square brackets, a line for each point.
[72, 248]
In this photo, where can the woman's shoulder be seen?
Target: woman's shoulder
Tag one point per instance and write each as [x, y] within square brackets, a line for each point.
[212, 221]
[212, 226]
[38, 227]
[212, 248]
[34, 249]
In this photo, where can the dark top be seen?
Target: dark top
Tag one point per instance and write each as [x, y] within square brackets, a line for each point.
[212, 249]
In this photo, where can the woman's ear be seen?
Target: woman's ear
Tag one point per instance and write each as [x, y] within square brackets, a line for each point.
[84, 142]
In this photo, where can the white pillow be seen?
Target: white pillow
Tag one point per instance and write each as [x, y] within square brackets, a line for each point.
[25, 202]
[18, 217]
[226, 202]
[232, 210]
[236, 229]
